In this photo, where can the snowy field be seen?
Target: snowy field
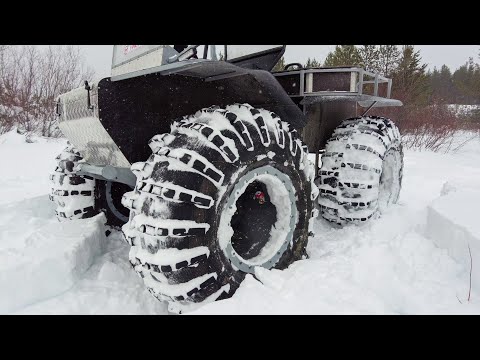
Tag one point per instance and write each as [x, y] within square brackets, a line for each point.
[413, 260]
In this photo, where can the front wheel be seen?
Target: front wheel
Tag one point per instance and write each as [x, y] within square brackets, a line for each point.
[361, 172]
[81, 196]
[227, 191]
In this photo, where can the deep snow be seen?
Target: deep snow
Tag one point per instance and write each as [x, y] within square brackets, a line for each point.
[398, 264]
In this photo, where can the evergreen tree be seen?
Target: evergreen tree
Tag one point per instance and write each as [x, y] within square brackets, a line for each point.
[447, 89]
[441, 83]
[435, 85]
[388, 59]
[460, 81]
[280, 65]
[410, 79]
[370, 57]
[312, 63]
[344, 55]
[466, 81]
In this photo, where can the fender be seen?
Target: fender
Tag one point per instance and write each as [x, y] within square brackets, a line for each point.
[134, 109]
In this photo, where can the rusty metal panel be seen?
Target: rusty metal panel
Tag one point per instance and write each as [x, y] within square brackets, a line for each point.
[335, 81]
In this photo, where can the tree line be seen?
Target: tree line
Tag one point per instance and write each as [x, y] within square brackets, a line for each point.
[412, 82]
[31, 78]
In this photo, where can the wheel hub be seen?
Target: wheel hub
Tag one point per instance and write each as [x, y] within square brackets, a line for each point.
[260, 219]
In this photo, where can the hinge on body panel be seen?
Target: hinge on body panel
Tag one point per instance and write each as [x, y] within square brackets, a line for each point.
[88, 88]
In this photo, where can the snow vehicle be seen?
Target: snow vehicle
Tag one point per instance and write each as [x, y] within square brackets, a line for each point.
[204, 163]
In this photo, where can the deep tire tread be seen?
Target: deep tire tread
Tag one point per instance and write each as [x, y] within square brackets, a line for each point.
[195, 157]
[73, 194]
[349, 189]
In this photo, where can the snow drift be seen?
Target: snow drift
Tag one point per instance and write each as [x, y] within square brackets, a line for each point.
[453, 224]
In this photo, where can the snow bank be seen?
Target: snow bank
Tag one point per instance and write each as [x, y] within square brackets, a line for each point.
[47, 267]
[385, 267]
[453, 224]
[109, 286]
[49, 260]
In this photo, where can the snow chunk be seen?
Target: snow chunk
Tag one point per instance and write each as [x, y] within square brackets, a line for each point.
[52, 260]
[452, 223]
[110, 286]
[447, 188]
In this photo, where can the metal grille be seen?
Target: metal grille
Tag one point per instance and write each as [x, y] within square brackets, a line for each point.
[84, 129]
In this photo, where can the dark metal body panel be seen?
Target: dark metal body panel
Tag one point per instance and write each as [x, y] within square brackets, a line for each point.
[329, 96]
[290, 83]
[331, 82]
[133, 110]
[323, 118]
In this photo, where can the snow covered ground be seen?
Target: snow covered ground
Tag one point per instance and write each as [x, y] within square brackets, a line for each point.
[413, 260]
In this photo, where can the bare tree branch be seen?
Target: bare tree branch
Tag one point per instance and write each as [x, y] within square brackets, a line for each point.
[31, 79]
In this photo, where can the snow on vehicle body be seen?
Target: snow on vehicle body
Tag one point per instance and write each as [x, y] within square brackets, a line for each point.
[194, 217]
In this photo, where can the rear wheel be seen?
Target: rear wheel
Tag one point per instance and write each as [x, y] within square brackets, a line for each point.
[227, 191]
[361, 172]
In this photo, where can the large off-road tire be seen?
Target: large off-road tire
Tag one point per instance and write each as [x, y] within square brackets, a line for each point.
[81, 196]
[73, 194]
[361, 172]
[197, 225]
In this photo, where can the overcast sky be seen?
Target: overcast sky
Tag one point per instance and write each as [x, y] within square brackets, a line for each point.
[100, 56]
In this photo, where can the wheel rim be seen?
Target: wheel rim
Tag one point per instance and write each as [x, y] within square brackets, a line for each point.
[114, 192]
[389, 186]
[245, 251]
